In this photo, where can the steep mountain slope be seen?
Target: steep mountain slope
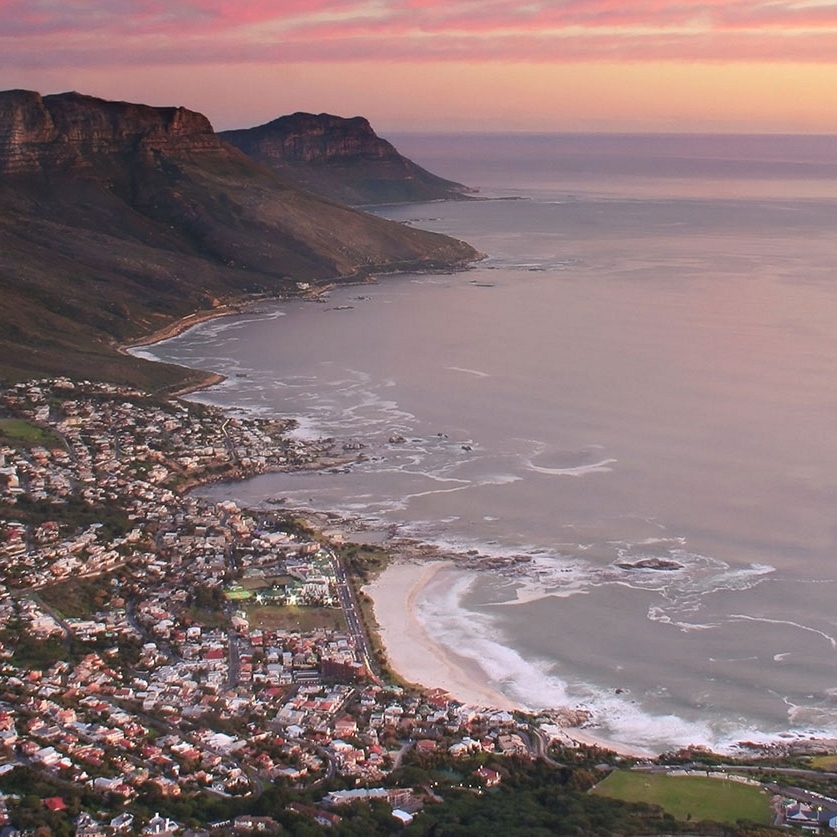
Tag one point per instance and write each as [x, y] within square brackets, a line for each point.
[116, 219]
[342, 159]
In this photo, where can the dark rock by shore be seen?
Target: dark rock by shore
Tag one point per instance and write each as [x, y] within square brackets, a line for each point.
[650, 564]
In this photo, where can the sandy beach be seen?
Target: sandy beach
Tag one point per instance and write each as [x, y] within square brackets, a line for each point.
[418, 659]
[411, 652]
[178, 326]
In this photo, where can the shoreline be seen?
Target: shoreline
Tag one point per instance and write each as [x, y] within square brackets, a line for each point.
[238, 305]
[175, 328]
[204, 379]
[416, 657]
[202, 315]
[394, 594]
[397, 639]
[395, 591]
[395, 604]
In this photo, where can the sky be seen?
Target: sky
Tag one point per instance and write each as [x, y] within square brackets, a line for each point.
[443, 65]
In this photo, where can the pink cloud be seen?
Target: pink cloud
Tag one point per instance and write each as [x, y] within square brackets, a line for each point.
[87, 33]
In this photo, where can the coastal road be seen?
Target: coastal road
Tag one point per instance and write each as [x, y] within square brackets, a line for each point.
[802, 795]
[538, 745]
[351, 610]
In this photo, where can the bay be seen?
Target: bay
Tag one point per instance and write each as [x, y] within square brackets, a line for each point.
[634, 394]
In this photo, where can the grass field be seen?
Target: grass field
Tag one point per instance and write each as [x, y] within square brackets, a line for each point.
[23, 434]
[77, 598]
[291, 618]
[827, 763]
[692, 798]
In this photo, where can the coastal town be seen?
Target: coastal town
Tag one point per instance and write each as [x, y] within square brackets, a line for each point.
[142, 653]
[158, 647]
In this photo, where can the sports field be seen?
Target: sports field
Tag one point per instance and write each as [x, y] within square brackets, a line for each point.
[692, 798]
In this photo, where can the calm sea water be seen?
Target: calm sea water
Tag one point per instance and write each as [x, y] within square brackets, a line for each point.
[644, 368]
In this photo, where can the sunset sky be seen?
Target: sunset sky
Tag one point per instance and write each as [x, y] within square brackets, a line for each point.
[541, 65]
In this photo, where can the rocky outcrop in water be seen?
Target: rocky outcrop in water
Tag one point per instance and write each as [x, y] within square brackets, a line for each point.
[652, 563]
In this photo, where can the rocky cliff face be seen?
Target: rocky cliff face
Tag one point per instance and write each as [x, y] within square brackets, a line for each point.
[342, 159]
[69, 130]
[307, 138]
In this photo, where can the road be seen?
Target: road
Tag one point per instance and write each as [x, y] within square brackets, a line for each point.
[68, 634]
[354, 620]
[231, 449]
[538, 745]
[736, 768]
[406, 746]
[234, 666]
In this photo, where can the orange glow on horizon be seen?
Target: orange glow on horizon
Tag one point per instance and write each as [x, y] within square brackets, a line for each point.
[486, 96]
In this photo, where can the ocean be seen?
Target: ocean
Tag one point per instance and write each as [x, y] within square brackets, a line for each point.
[633, 398]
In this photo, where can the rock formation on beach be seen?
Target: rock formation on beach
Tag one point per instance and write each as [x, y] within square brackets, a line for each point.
[117, 219]
[342, 159]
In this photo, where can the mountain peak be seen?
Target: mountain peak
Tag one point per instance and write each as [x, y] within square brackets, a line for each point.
[341, 158]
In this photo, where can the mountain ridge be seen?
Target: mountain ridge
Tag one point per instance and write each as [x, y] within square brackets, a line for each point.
[117, 219]
[60, 131]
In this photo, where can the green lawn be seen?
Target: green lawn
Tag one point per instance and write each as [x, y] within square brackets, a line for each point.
[827, 763]
[689, 797]
[23, 434]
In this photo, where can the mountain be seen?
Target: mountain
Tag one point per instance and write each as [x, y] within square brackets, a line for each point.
[343, 159]
[117, 219]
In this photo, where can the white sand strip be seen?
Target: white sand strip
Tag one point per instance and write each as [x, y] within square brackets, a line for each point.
[418, 659]
[410, 650]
